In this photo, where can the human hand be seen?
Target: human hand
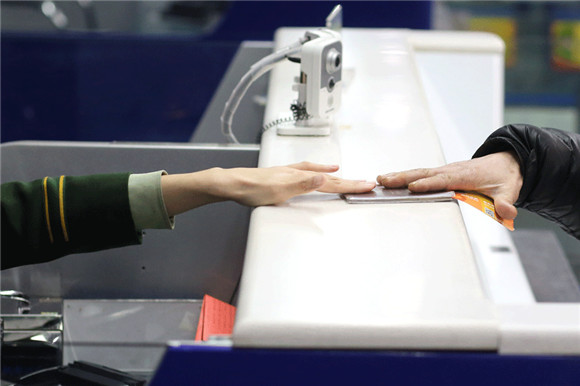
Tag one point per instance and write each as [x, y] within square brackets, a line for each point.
[253, 186]
[266, 186]
[496, 175]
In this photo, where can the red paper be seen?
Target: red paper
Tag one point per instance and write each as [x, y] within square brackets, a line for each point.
[216, 318]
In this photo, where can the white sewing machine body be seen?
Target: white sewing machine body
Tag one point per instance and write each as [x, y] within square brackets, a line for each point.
[320, 273]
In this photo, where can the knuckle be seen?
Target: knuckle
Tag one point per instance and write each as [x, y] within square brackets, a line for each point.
[304, 164]
[305, 185]
[447, 178]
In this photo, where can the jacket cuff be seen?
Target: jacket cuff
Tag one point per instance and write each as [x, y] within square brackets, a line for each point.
[146, 202]
[512, 138]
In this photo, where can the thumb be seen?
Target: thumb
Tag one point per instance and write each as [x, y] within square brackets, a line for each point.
[505, 209]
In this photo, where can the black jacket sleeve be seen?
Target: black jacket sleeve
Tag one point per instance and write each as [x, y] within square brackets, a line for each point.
[52, 217]
[550, 165]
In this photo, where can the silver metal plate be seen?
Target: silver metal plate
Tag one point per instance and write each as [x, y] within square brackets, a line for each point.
[381, 195]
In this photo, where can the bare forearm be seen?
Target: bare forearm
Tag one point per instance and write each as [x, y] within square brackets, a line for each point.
[184, 192]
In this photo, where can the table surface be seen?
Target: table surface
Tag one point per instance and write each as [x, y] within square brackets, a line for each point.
[321, 273]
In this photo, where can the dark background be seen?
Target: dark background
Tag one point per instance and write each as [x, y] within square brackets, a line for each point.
[112, 74]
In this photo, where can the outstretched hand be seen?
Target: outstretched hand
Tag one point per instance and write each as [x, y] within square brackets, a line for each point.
[495, 175]
[253, 186]
[265, 186]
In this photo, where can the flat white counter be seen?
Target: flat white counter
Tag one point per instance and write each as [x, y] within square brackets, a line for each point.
[321, 273]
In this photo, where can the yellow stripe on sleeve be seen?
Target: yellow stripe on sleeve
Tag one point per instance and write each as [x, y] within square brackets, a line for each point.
[44, 187]
[61, 205]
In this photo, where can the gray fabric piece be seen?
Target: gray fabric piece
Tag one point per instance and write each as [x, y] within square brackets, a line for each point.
[546, 266]
[146, 201]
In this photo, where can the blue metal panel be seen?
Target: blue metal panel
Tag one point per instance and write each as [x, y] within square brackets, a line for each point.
[188, 365]
[106, 87]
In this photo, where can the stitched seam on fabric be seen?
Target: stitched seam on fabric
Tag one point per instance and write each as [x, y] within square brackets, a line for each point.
[46, 210]
[61, 206]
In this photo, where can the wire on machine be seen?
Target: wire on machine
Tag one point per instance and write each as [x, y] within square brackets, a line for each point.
[258, 69]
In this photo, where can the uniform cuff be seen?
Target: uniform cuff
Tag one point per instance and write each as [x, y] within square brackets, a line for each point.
[146, 201]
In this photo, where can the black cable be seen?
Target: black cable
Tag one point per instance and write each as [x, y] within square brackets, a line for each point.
[294, 60]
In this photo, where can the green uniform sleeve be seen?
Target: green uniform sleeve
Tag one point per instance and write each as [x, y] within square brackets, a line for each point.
[52, 217]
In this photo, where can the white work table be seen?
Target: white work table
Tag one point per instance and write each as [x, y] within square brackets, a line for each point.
[321, 273]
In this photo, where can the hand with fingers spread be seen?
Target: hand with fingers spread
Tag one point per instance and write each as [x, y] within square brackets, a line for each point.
[253, 186]
[496, 175]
